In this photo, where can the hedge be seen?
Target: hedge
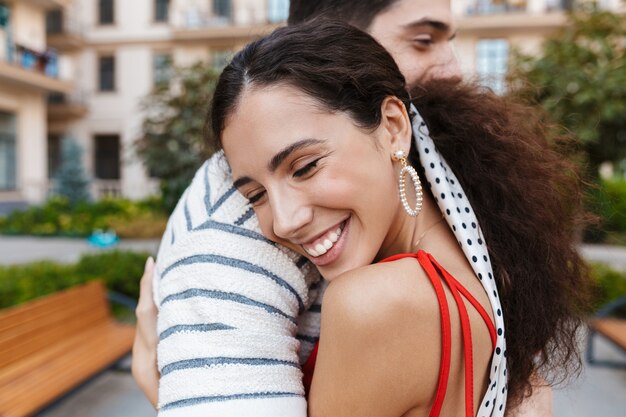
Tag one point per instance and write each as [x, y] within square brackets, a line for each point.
[57, 217]
[119, 270]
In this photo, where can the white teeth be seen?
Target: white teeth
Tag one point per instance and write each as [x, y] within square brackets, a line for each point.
[325, 245]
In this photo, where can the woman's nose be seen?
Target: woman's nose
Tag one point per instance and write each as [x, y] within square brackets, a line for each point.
[291, 213]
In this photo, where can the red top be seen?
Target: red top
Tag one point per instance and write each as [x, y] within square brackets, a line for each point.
[437, 274]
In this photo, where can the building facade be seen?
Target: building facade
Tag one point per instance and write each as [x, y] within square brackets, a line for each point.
[80, 68]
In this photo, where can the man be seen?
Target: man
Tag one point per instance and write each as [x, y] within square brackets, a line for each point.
[418, 34]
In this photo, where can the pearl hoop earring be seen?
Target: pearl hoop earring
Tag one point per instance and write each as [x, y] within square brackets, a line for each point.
[401, 156]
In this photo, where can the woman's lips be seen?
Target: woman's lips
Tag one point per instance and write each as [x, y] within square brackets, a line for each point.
[325, 242]
[330, 255]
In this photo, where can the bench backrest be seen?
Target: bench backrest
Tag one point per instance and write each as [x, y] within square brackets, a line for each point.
[29, 327]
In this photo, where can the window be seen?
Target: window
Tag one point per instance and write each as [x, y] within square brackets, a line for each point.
[107, 157]
[54, 154]
[492, 56]
[278, 10]
[221, 8]
[7, 152]
[54, 21]
[162, 69]
[106, 72]
[5, 13]
[105, 15]
[161, 10]
[219, 60]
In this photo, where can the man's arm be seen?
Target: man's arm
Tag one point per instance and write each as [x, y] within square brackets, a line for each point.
[144, 362]
[228, 302]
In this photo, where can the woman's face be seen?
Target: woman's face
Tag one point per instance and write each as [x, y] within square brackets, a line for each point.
[319, 184]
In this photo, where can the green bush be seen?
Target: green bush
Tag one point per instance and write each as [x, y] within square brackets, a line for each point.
[119, 270]
[611, 284]
[608, 202]
[57, 217]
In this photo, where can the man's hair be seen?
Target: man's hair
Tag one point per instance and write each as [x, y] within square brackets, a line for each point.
[359, 13]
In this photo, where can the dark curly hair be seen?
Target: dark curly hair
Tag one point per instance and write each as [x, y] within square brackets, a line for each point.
[526, 196]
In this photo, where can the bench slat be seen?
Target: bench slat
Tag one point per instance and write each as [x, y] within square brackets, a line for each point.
[612, 328]
[27, 388]
[24, 332]
[50, 345]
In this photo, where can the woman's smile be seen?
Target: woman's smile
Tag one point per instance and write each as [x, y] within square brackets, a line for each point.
[328, 247]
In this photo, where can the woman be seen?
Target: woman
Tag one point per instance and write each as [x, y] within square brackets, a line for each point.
[314, 121]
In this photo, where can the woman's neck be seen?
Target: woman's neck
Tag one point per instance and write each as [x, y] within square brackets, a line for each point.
[407, 233]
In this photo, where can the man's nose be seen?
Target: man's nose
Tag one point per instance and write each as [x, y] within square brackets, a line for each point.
[448, 67]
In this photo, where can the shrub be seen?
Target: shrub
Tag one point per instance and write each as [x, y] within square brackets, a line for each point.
[119, 270]
[611, 284]
[57, 217]
[608, 202]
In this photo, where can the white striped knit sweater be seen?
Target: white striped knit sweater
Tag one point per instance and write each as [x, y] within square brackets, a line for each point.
[234, 324]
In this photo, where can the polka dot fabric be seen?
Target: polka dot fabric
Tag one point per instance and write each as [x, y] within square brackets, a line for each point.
[451, 200]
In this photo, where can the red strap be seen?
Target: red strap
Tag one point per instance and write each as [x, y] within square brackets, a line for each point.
[483, 313]
[446, 333]
[466, 329]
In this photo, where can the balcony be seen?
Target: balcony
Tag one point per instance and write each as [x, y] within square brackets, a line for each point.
[66, 107]
[505, 7]
[194, 26]
[63, 33]
[26, 68]
[48, 4]
[485, 16]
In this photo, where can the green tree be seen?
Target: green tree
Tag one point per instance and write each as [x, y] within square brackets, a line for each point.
[71, 181]
[580, 80]
[173, 143]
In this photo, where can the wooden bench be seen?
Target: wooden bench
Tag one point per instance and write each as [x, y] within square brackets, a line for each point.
[50, 345]
[613, 329]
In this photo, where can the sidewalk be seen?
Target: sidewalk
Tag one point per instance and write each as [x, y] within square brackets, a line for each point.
[23, 249]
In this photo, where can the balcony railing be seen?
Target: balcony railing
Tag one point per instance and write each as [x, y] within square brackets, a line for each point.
[67, 106]
[59, 24]
[194, 19]
[488, 7]
[106, 188]
[44, 62]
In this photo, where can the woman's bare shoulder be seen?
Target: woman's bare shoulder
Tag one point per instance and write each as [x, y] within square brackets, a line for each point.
[383, 291]
[379, 343]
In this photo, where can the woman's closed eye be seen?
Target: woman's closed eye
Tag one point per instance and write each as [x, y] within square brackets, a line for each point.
[255, 197]
[306, 169]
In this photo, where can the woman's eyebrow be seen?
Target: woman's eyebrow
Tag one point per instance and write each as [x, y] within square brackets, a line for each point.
[283, 154]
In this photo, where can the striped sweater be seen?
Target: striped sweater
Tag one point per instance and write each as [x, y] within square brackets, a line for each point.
[237, 313]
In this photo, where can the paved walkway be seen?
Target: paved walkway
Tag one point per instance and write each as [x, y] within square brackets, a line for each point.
[18, 249]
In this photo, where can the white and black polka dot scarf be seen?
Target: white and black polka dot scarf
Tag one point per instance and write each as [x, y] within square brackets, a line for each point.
[452, 201]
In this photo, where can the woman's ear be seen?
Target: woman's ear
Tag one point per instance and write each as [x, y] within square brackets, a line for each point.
[396, 124]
